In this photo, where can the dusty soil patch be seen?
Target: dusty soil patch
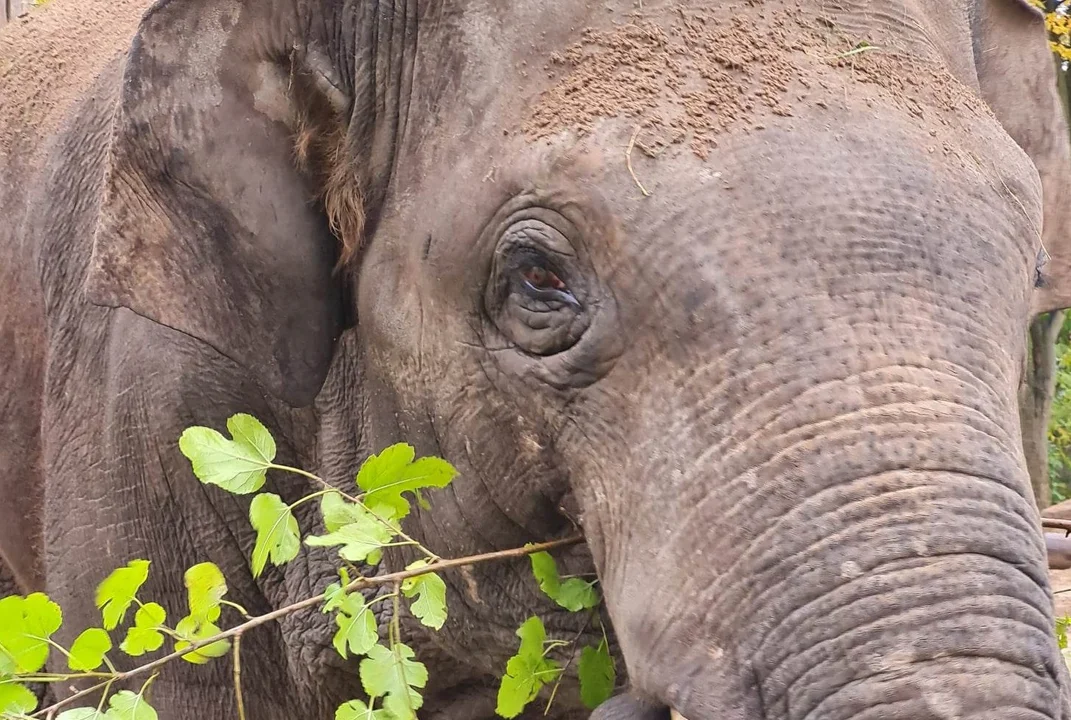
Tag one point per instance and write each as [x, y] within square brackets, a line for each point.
[695, 74]
[51, 55]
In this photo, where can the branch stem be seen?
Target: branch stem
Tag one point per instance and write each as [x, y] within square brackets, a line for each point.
[358, 584]
[238, 676]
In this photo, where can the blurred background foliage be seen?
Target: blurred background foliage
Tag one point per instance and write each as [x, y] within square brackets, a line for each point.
[1060, 420]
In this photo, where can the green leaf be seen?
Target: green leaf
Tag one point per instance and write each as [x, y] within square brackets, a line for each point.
[82, 713]
[392, 674]
[87, 651]
[139, 641]
[339, 512]
[125, 705]
[278, 535]
[546, 572]
[205, 586]
[573, 595]
[7, 660]
[356, 627]
[361, 535]
[190, 632]
[597, 675]
[430, 591]
[16, 699]
[41, 616]
[357, 710]
[384, 477]
[145, 635]
[527, 671]
[150, 616]
[26, 624]
[239, 465]
[386, 467]
[576, 595]
[117, 591]
[335, 593]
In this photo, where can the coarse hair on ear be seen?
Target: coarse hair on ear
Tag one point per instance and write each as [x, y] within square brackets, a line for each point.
[1017, 77]
[320, 149]
[228, 192]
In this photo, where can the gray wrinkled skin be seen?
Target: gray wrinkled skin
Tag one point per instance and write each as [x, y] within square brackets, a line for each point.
[778, 396]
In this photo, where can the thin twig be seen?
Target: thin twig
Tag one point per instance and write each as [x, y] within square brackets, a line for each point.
[565, 668]
[103, 697]
[396, 640]
[628, 160]
[316, 478]
[394, 632]
[1055, 524]
[358, 584]
[854, 51]
[238, 676]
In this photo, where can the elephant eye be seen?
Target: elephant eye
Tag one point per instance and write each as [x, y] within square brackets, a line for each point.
[537, 291]
[542, 283]
[542, 279]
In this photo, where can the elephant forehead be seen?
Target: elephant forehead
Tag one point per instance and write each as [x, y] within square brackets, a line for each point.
[860, 194]
[685, 74]
[694, 72]
[689, 74]
[797, 128]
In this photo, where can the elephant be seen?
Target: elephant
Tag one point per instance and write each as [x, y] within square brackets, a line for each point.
[739, 290]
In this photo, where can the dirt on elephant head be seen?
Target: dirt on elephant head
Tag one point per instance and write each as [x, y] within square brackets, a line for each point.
[700, 72]
[50, 56]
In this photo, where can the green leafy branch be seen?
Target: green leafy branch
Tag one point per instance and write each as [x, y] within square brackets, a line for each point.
[360, 524]
[224, 636]
[530, 669]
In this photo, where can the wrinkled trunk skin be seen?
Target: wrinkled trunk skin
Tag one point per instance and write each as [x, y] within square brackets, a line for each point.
[825, 497]
[854, 587]
[1035, 401]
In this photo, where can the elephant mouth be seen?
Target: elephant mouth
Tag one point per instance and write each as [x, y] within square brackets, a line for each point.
[628, 707]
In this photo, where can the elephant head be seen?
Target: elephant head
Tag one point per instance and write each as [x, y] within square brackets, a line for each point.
[740, 288]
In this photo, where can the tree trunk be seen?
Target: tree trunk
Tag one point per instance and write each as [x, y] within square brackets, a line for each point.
[1035, 400]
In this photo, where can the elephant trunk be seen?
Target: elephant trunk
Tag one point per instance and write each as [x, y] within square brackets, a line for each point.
[812, 503]
[887, 569]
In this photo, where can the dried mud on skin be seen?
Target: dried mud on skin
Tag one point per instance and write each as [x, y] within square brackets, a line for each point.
[696, 76]
[51, 55]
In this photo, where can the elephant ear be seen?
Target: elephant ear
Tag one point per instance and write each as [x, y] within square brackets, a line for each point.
[1017, 75]
[207, 225]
